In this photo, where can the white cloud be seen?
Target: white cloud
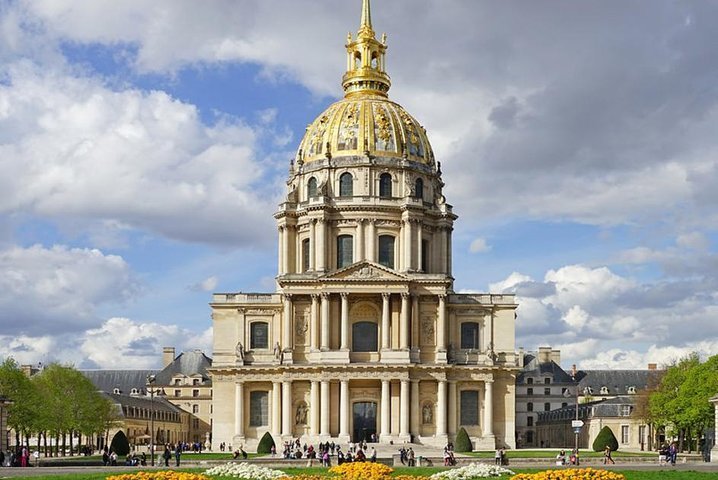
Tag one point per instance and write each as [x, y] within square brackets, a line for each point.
[207, 285]
[576, 317]
[507, 285]
[58, 289]
[479, 245]
[72, 148]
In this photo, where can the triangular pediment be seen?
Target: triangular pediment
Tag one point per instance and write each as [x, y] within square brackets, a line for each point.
[366, 271]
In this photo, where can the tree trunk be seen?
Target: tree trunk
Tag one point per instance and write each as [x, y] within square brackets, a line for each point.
[72, 434]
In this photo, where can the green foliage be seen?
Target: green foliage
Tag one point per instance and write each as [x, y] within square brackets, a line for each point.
[16, 387]
[463, 442]
[605, 437]
[266, 444]
[120, 445]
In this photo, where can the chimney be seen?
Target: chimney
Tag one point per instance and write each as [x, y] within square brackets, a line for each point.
[556, 356]
[544, 354]
[652, 366]
[168, 355]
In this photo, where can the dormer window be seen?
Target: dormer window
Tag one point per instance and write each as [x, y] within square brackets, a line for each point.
[632, 389]
[116, 391]
[604, 390]
[134, 391]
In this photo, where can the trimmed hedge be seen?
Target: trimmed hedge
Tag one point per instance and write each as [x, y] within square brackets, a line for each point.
[463, 442]
[605, 437]
[266, 444]
[120, 445]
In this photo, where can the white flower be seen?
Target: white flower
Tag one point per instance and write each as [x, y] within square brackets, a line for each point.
[245, 471]
[472, 470]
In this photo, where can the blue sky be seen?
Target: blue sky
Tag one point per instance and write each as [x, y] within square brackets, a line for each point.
[144, 148]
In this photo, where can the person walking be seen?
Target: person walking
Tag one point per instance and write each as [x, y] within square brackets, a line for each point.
[178, 453]
[673, 453]
[167, 455]
[607, 456]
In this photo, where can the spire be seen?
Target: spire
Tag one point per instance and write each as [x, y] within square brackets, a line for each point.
[365, 25]
[365, 60]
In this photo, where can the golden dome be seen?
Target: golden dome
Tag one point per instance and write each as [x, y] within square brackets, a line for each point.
[365, 122]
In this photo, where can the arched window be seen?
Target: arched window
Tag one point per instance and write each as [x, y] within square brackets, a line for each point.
[385, 185]
[346, 185]
[365, 337]
[312, 187]
[386, 250]
[345, 251]
[470, 335]
[419, 188]
[259, 335]
[305, 255]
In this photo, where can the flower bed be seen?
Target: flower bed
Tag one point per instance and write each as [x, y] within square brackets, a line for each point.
[362, 471]
[473, 470]
[245, 471]
[161, 475]
[571, 474]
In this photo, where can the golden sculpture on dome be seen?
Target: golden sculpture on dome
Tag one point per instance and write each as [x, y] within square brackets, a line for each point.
[365, 122]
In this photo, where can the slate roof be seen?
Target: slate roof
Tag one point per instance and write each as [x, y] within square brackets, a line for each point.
[159, 404]
[190, 364]
[619, 381]
[125, 380]
[532, 368]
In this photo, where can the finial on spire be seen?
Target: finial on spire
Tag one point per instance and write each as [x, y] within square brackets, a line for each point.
[365, 26]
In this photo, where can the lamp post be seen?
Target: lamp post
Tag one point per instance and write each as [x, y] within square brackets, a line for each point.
[576, 424]
[150, 380]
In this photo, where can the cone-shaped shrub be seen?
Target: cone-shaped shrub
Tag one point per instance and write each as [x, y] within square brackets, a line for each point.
[119, 444]
[463, 442]
[605, 437]
[266, 444]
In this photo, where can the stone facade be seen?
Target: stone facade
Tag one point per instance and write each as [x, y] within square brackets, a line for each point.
[365, 335]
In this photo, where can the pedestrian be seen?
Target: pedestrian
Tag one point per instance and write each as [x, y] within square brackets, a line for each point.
[673, 453]
[178, 453]
[167, 455]
[607, 455]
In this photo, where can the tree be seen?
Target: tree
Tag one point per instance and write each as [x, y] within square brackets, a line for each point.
[463, 442]
[16, 386]
[266, 444]
[605, 437]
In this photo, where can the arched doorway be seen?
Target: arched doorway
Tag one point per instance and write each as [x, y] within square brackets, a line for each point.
[364, 414]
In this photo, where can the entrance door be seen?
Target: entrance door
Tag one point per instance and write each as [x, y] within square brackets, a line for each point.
[364, 421]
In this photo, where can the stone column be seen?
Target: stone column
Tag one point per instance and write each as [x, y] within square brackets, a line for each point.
[453, 407]
[345, 321]
[285, 246]
[324, 418]
[449, 248]
[415, 409]
[239, 409]
[276, 408]
[488, 408]
[441, 409]
[407, 239]
[360, 255]
[344, 410]
[314, 408]
[287, 409]
[312, 245]
[415, 321]
[320, 260]
[420, 247]
[325, 322]
[287, 323]
[385, 322]
[280, 250]
[441, 331]
[371, 241]
[404, 327]
[385, 410]
[443, 257]
[404, 411]
[314, 325]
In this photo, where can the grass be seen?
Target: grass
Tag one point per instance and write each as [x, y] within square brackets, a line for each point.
[552, 454]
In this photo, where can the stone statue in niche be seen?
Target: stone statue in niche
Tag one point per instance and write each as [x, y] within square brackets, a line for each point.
[277, 352]
[300, 418]
[239, 351]
[427, 414]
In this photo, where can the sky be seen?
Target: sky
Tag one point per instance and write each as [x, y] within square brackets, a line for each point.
[144, 147]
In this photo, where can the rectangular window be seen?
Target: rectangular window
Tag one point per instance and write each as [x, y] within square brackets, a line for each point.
[195, 393]
[529, 407]
[425, 257]
[641, 434]
[178, 393]
[547, 391]
[470, 335]
[547, 381]
[345, 251]
[625, 410]
[259, 335]
[469, 407]
[195, 381]
[547, 407]
[624, 434]
[529, 391]
[258, 409]
[195, 408]
[529, 437]
[530, 422]
[386, 251]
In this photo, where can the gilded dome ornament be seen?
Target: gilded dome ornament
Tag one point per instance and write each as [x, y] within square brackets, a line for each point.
[365, 122]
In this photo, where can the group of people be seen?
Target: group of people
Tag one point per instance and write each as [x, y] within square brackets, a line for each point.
[19, 457]
[572, 459]
[500, 457]
[355, 452]
[668, 454]
[407, 457]
[449, 459]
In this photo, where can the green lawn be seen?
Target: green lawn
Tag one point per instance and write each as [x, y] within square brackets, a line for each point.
[552, 454]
